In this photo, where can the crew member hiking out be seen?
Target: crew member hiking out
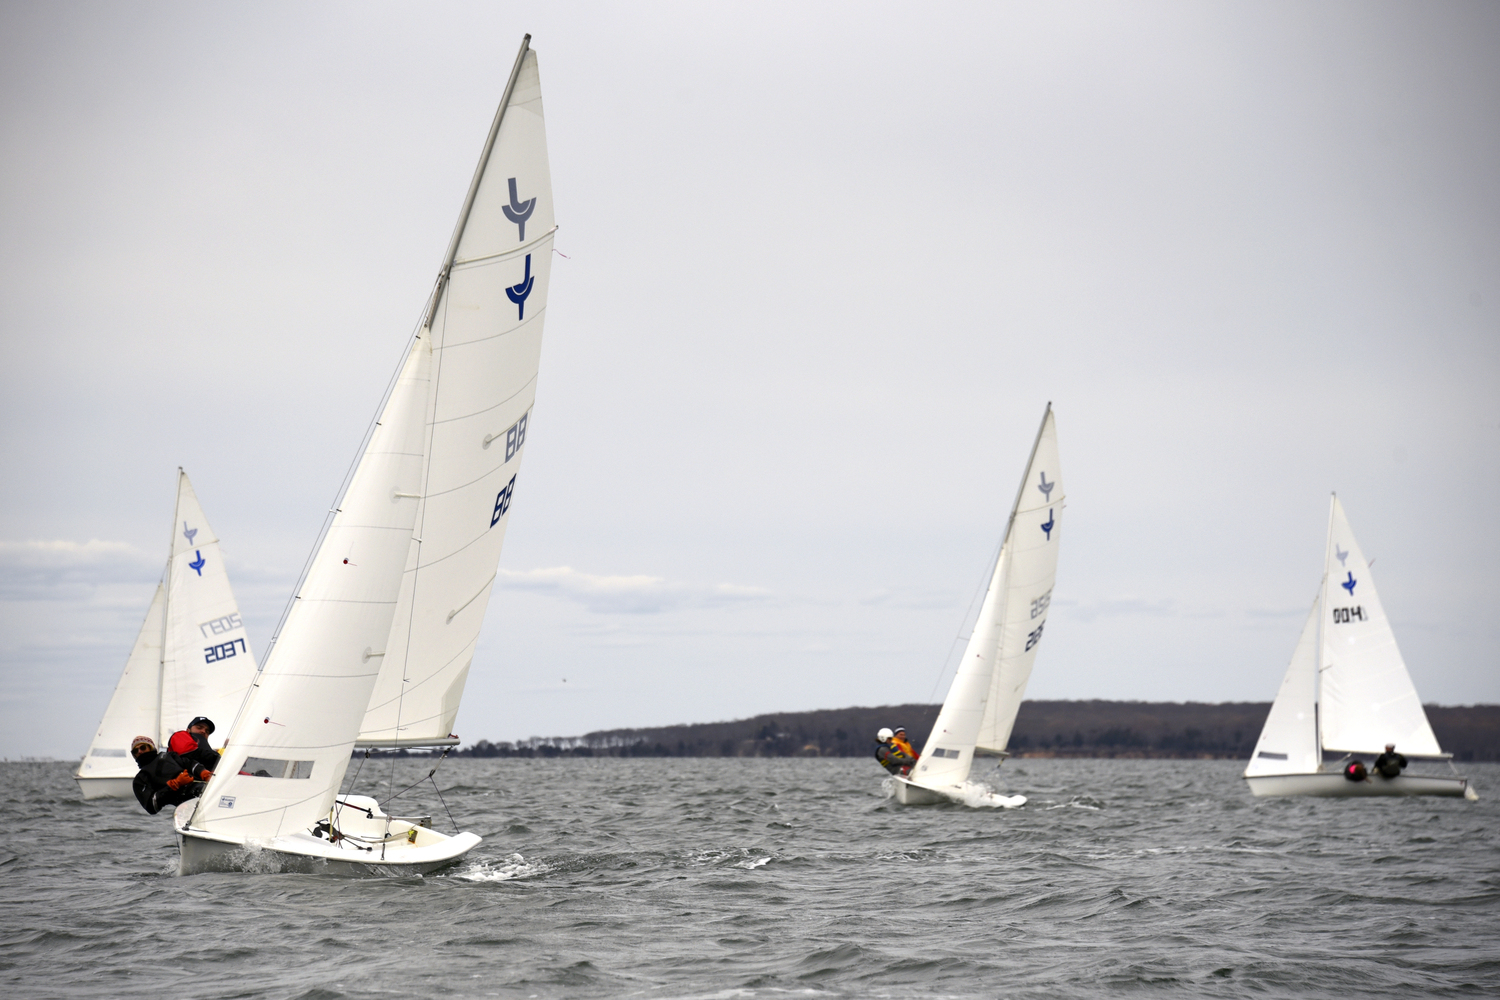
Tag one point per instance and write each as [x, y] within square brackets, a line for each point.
[1355, 771]
[890, 755]
[899, 740]
[201, 729]
[164, 779]
[1389, 764]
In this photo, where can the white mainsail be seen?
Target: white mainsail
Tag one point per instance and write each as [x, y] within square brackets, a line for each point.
[1288, 742]
[290, 746]
[991, 680]
[1366, 696]
[207, 666]
[486, 326]
[191, 657]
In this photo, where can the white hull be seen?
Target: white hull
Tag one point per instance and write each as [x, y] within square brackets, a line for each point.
[1335, 785]
[303, 852]
[105, 788]
[909, 793]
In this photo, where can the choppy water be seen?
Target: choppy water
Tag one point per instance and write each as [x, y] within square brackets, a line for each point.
[762, 878]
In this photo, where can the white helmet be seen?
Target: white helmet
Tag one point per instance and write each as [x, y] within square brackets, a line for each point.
[884, 734]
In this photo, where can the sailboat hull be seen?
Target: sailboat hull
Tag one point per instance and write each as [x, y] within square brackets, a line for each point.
[909, 794]
[429, 851]
[105, 788]
[1334, 785]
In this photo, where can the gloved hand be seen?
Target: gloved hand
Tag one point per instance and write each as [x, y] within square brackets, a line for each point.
[180, 782]
[205, 774]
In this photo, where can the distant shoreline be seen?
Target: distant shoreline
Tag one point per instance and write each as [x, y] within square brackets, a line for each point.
[1044, 730]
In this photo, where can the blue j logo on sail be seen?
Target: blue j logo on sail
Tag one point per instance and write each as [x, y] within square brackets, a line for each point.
[197, 564]
[1046, 487]
[1349, 584]
[518, 211]
[189, 533]
[1050, 523]
[518, 293]
[1341, 554]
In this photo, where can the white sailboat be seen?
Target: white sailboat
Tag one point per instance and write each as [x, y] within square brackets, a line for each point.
[1346, 693]
[376, 647]
[986, 693]
[190, 658]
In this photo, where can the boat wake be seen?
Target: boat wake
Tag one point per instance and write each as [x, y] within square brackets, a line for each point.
[501, 870]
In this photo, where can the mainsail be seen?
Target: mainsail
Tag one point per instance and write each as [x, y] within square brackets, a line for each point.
[486, 326]
[991, 680]
[207, 666]
[1367, 698]
[191, 656]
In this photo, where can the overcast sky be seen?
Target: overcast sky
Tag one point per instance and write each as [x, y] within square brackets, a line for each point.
[826, 266]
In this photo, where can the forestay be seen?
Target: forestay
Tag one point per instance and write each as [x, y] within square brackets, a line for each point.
[981, 706]
[486, 328]
[290, 746]
[1367, 698]
[1288, 742]
[207, 666]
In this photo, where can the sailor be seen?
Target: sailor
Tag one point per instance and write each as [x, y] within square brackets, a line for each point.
[899, 740]
[891, 756]
[1389, 764]
[201, 729]
[1355, 771]
[163, 779]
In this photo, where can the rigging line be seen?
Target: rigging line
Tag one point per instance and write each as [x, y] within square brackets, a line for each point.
[434, 383]
[414, 784]
[339, 496]
[981, 589]
[339, 807]
[444, 801]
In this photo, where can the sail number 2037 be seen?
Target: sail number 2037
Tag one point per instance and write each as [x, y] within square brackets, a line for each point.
[1355, 614]
[213, 654]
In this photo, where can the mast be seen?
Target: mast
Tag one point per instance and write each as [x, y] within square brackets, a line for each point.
[166, 603]
[1322, 613]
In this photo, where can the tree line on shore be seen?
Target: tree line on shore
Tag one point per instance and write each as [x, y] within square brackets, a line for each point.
[1043, 729]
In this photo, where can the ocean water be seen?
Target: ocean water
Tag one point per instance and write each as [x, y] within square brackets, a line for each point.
[781, 878]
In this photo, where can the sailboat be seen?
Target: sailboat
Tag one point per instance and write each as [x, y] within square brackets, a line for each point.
[190, 658]
[980, 710]
[376, 645]
[1346, 693]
